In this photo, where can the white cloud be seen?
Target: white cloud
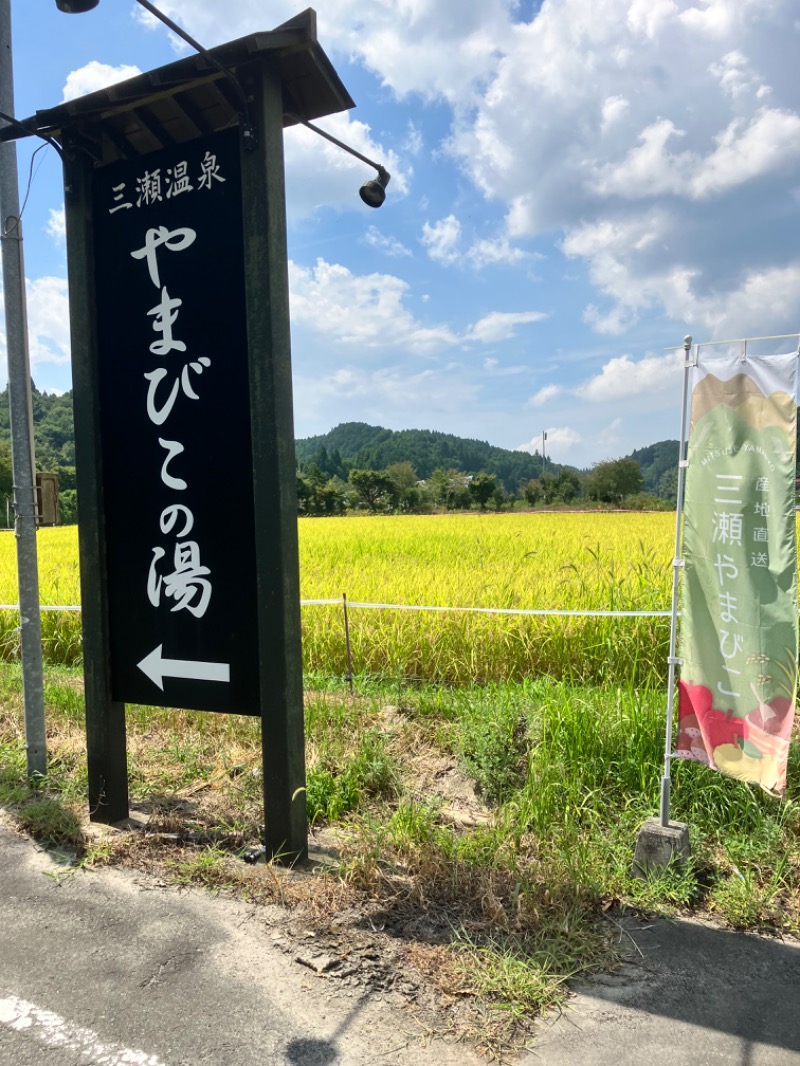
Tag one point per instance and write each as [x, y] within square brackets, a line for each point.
[623, 377]
[648, 17]
[501, 325]
[93, 76]
[492, 251]
[764, 299]
[438, 48]
[384, 243]
[684, 111]
[769, 143]
[614, 108]
[736, 77]
[649, 169]
[611, 435]
[443, 241]
[48, 320]
[390, 396]
[413, 144]
[717, 18]
[545, 395]
[626, 263]
[442, 238]
[57, 225]
[369, 311]
[493, 367]
[560, 439]
[366, 311]
[646, 112]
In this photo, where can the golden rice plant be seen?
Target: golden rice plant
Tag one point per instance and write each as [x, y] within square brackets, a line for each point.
[611, 562]
[574, 562]
[59, 585]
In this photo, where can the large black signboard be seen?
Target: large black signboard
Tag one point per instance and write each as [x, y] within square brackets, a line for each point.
[175, 418]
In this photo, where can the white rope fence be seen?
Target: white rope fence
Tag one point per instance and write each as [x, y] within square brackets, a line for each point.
[418, 607]
[489, 610]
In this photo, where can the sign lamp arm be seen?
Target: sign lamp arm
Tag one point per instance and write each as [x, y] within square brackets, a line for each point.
[76, 7]
[373, 192]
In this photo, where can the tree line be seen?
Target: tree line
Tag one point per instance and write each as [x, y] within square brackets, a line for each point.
[54, 441]
[397, 489]
[361, 467]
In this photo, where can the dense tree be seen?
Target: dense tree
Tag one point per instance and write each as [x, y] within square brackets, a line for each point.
[531, 491]
[667, 488]
[68, 507]
[568, 485]
[316, 496]
[406, 495]
[655, 461]
[614, 479]
[482, 488]
[549, 483]
[374, 488]
[6, 476]
[500, 498]
[450, 488]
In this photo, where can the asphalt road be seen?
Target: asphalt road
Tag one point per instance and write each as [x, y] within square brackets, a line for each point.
[690, 993]
[111, 968]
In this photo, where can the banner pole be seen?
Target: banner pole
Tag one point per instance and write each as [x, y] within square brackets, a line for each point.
[677, 564]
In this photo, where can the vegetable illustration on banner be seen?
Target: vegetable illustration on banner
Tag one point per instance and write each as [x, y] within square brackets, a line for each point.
[739, 613]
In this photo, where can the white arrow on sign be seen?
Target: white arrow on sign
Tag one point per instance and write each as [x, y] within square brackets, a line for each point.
[157, 668]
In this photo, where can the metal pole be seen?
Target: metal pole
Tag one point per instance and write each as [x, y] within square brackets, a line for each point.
[677, 564]
[544, 438]
[19, 400]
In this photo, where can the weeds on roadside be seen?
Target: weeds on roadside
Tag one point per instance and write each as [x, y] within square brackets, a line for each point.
[566, 772]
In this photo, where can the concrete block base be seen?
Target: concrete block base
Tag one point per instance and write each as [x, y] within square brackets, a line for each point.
[659, 846]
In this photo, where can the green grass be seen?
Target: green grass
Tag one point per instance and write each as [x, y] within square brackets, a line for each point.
[567, 774]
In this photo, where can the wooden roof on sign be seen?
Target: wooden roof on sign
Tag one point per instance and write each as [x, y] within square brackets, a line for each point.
[191, 97]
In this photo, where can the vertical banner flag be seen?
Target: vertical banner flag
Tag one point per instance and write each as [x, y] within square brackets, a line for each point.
[739, 607]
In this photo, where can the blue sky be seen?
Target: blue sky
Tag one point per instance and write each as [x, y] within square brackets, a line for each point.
[575, 186]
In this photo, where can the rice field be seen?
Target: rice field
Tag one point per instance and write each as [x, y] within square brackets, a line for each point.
[600, 561]
[554, 561]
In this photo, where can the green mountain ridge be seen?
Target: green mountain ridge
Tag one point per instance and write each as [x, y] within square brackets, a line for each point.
[359, 445]
[354, 445]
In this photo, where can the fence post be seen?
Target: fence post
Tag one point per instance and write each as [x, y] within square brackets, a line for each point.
[349, 677]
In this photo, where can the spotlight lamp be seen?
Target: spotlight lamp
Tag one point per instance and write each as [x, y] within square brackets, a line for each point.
[76, 7]
[373, 192]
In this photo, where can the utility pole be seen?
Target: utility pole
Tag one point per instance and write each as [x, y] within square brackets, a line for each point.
[544, 438]
[19, 400]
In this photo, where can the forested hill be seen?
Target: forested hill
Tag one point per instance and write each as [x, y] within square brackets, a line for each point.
[53, 428]
[356, 444]
[659, 466]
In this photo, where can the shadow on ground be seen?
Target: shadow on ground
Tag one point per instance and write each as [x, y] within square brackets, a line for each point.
[687, 992]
